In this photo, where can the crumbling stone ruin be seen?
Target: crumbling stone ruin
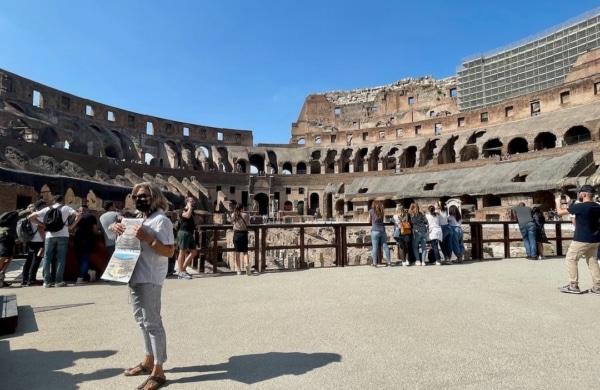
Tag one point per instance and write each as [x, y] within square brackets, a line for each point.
[418, 139]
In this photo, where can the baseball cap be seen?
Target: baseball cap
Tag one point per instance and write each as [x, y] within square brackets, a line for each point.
[587, 188]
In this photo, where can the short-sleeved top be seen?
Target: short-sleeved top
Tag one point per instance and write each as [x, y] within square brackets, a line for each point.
[187, 224]
[376, 223]
[443, 218]
[107, 219]
[435, 230]
[240, 224]
[452, 221]
[419, 223]
[151, 267]
[586, 221]
[37, 237]
[66, 212]
[523, 214]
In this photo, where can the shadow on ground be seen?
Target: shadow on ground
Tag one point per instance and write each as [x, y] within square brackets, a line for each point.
[35, 369]
[256, 368]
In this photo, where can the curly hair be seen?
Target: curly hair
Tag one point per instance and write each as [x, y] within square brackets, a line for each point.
[157, 198]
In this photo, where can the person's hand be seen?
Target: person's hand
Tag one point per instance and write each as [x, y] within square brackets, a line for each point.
[142, 235]
[118, 228]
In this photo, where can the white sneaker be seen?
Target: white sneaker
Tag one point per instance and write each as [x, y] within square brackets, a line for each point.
[406, 263]
[239, 272]
[540, 258]
[438, 263]
[80, 281]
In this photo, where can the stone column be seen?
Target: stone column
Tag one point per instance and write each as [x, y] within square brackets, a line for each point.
[351, 167]
[322, 168]
[380, 164]
[294, 169]
[336, 167]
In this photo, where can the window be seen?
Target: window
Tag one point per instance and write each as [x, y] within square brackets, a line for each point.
[508, 111]
[365, 136]
[355, 124]
[89, 110]
[411, 100]
[218, 188]
[382, 135]
[338, 112]
[333, 138]
[110, 116]
[65, 103]
[453, 92]
[597, 88]
[301, 191]
[232, 190]
[186, 131]
[565, 97]
[288, 190]
[301, 141]
[461, 121]
[483, 117]
[38, 100]
[437, 129]
[318, 139]
[168, 128]
[363, 190]
[399, 133]
[417, 129]
[429, 186]
[219, 136]
[130, 121]
[535, 108]
[149, 128]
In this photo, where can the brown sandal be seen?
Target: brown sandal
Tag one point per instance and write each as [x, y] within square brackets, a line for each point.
[140, 369]
[153, 383]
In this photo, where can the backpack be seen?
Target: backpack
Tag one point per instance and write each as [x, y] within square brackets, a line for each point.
[25, 230]
[53, 220]
[8, 218]
[405, 228]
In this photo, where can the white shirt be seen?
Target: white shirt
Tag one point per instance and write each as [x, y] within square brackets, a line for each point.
[66, 212]
[443, 216]
[37, 237]
[435, 230]
[151, 267]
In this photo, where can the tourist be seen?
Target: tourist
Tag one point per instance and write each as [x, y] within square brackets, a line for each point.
[186, 241]
[85, 241]
[456, 239]
[402, 234]
[35, 249]
[110, 216]
[435, 234]
[585, 240]
[528, 230]
[145, 285]
[8, 235]
[446, 231]
[378, 235]
[54, 221]
[420, 231]
[240, 221]
[540, 238]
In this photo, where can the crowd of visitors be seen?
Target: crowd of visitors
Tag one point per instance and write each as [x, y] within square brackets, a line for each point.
[433, 237]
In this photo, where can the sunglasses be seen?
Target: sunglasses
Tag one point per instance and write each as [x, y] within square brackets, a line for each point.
[140, 196]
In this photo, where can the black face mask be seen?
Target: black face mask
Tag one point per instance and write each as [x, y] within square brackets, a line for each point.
[142, 205]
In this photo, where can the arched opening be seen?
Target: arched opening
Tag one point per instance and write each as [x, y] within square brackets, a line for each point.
[313, 203]
[286, 169]
[518, 145]
[149, 159]
[224, 164]
[262, 201]
[329, 205]
[545, 200]
[300, 207]
[492, 147]
[339, 206]
[406, 202]
[301, 168]
[390, 159]
[301, 141]
[257, 164]
[490, 200]
[374, 159]
[426, 154]
[172, 152]
[272, 162]
[112, 152]
[48, 136]
[409, 157]
[204, 150]
[359, 162]
[473, 138]
[288, 206]
[242, 167]
[345, 160]
[447, 155]
[545, 140]
[330, 161]
[577, 134]
[469, 152]
[389, 204]
[315, 167]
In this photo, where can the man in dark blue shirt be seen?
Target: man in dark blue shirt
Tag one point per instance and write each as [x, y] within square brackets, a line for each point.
[586, 239]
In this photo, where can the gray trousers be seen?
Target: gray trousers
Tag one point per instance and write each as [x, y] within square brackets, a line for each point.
[145, 298]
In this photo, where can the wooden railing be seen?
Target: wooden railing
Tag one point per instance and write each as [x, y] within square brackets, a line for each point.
[213, 241]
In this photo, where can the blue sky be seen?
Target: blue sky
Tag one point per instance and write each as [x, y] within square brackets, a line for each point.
[250, 64]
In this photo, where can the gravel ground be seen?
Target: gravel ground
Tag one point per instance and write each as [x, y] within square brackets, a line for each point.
[486, 325]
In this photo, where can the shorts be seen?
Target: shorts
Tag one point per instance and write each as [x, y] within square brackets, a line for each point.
[7, 246]
[240, 241]
[186, 240]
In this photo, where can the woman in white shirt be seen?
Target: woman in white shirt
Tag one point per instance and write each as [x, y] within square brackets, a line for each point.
[435, 233]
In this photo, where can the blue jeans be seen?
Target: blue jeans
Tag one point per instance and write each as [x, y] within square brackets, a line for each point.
[456, 241]
[84, 265]
[55, 248]
[446, 243]
[419, 239]
[435, 247]
[529, 232]
[379, 239]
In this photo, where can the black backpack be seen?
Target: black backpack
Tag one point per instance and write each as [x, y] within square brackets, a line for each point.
[25, 231]
[53, 220]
